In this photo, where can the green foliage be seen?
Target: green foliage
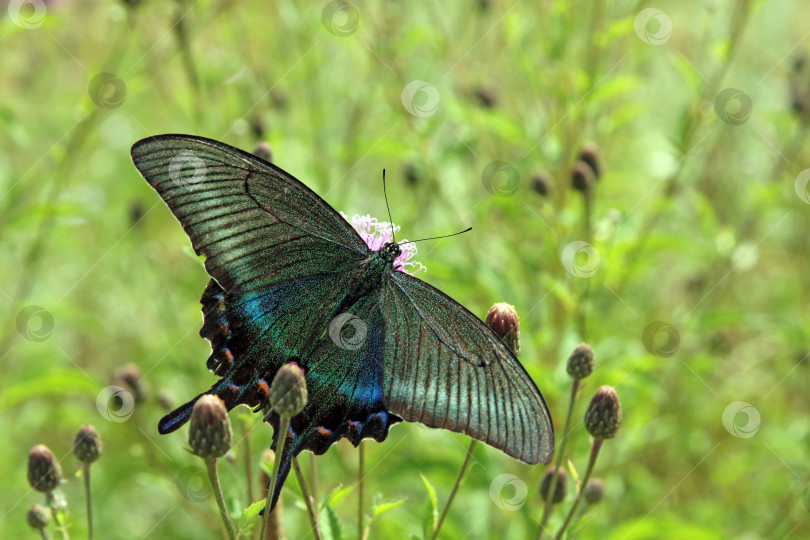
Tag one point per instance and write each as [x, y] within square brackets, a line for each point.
[431, 513]
[699, 223]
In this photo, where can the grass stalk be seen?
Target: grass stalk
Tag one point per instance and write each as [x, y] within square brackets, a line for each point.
[459, 480]
[313, 517]
[558, 462]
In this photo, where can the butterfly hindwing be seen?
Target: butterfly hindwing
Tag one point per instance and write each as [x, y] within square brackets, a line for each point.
[445, 368]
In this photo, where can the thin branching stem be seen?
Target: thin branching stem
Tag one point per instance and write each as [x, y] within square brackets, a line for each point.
[56, 518]
[560, 455]
[597, 444]
[213, 476]
[313, 517]
[459, 480]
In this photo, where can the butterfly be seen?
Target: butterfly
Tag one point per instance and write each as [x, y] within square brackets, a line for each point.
[291, 280]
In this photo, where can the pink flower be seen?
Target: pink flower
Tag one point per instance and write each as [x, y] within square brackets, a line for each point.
[376, 233]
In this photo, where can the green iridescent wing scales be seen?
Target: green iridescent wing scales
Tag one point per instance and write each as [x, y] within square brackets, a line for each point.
[445, 368]
[255, 224]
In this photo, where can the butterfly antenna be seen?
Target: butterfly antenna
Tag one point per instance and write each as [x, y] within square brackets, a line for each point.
[468, 229]
[391, 221]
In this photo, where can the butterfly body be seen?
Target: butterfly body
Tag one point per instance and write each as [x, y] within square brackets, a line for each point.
[292, 281]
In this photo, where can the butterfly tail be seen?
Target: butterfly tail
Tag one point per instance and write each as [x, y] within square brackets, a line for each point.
[177, 417]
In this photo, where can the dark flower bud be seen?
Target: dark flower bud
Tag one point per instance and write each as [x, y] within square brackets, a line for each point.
[560, 490]
[130, 378]
[594, 490]
[136, 213]
[87, 446]
[210, 433]
[582, 177]
[504, 321]
[486, 97]
[288, 391]
[44, 472]
[580, 363]
[590, 155]
[411, 173]
[38, 516]
[264, 151]
[604, 414]
[257, 126]
[541, 183]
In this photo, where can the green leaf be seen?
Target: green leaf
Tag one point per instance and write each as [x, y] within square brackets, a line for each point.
[336, 495]
[249, 515]
[431, 519]
[573, 470]
[382, 508]
[332, 529]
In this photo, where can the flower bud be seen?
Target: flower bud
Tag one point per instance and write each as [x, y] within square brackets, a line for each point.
[38, 516]
[580, 363]
[486, 97]
[594, 490]
[130, 378]
[604, 414]
[257, 126]
[288, 391]
[541, 183]
[264, 151]
[504, 320]
[210, 433]
[560, 490]
[44, 472]
[582, 177]
[590, 155]
[412, 174]
[87, 445]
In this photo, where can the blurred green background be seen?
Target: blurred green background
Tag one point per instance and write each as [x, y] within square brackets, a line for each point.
[693, 291]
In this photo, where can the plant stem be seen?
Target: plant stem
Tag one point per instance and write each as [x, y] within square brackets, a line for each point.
[44, 533]
[213, 476]
[597, 444]
[560, 453]
[459, 479]
[86, 475]
[284, 425]
[56, 518]
[313, 476]
[360, 495]
[587, 201]
[313, 517]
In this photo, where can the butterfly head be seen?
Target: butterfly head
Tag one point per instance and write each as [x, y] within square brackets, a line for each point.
[390, 251]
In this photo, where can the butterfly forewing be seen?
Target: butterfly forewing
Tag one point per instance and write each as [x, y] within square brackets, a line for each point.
[255, 224]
